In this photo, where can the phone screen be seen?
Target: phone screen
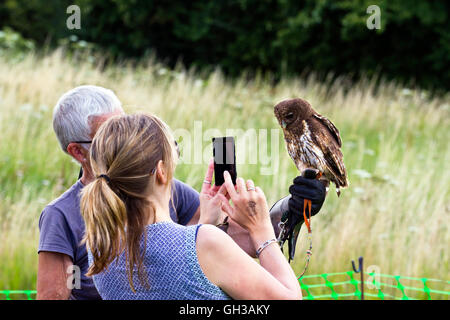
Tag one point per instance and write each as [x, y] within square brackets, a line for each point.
[224, 159]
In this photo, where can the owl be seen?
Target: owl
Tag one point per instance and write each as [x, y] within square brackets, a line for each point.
[312, 141]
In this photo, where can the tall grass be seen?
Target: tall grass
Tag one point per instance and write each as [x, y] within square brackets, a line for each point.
[395, 143]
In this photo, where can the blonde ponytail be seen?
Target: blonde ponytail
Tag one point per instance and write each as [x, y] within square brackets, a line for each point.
[116, 207]
[105, 217]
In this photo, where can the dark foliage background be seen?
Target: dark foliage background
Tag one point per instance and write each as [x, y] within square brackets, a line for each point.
[280, 36]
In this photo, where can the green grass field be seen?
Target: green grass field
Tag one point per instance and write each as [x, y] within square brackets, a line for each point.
[395, 143]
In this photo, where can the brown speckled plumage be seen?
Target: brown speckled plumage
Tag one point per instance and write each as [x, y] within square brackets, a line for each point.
[312, 141]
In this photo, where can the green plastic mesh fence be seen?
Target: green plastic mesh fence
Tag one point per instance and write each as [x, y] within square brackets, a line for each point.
[346, 285]
[17, 295]
[340, 286]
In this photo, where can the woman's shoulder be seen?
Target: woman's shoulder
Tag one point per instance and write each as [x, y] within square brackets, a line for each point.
[210, 237]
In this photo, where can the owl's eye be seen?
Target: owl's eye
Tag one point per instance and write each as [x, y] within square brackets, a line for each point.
[290, 116]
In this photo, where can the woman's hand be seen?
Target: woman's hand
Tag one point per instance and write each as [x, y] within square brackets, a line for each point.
[249, 209]
[212, 200]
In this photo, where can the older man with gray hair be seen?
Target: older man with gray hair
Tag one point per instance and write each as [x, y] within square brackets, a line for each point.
[63, 260]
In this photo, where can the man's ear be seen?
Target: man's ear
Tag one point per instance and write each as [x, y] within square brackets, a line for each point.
[161, 174]
[78, 152]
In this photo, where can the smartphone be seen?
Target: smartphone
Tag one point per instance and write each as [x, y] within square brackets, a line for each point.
[224, 159]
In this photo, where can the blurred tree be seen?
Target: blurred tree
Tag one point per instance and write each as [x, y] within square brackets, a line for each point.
[13, 45]
[40, 20]
[281, 36]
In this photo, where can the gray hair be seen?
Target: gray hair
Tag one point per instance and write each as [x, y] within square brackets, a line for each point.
[71, 116]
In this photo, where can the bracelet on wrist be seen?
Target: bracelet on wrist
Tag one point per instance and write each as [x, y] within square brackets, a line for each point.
[264, 245]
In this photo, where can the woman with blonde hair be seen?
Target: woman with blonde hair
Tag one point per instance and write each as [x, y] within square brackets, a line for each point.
[137, 252]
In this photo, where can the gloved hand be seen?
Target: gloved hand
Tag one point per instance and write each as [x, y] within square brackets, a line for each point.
[304, 188]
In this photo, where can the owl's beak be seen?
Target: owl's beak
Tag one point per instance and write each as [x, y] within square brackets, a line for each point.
[283, 124]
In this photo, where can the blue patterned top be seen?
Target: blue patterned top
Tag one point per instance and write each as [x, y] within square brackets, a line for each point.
[171, 264]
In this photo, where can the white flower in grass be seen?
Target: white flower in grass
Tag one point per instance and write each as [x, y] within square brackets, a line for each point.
[383, 236]
[363, 174]
[180, 76]
[26, 107]
[44, 108]
[198, 83]
[359, 190]
[162, 71]
[445, 106]
[382, 164]
[406, 92]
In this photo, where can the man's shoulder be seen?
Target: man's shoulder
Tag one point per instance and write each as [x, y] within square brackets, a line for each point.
[178, 183]
[185, 200]
[181, 187]
[68, 197]
[184, 194]
[65, 203]
[60, 223]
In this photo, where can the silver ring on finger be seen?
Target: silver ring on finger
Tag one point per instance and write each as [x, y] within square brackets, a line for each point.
[206, 182]
[250, 185]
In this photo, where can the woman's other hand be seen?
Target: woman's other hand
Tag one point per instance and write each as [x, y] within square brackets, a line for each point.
[212, 200]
